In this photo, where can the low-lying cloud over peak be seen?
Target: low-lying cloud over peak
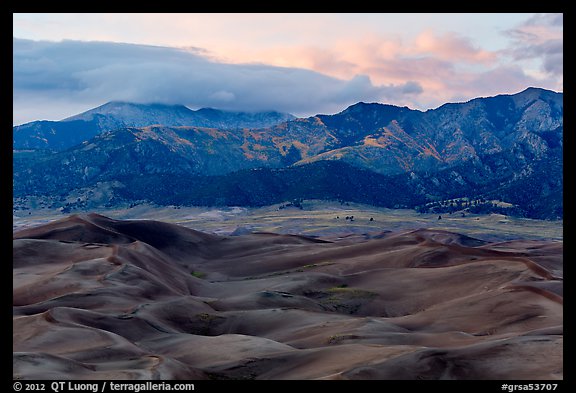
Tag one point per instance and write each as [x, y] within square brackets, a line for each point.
[299, 63]
[47, 74]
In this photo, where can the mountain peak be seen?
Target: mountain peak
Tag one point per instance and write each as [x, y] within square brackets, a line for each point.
[114, 115]
[458, 150]
[131, 114]
[539, 90]
[124, 109]
[533, 94]
[361, 106]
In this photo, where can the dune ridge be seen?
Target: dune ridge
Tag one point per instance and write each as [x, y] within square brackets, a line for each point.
[98, 298]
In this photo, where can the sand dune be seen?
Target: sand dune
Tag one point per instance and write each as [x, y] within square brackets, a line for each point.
[100, 298]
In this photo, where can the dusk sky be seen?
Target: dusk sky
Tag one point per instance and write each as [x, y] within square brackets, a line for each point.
[299, 63]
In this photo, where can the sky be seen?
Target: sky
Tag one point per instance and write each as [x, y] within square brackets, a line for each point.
[305, 64]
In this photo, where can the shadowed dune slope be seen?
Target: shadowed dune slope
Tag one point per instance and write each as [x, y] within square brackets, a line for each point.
[97, 298]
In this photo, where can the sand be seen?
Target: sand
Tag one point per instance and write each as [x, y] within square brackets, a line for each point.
[98, 298]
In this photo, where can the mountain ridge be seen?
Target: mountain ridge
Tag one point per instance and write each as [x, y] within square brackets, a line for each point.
[73, 130]
[497, 142]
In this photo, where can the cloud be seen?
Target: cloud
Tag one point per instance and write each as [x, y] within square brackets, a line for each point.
[412, 88]
[432, 67]
[540, 38]
[546, 20]
[503, 79]
[386, 59]
[451, 46]
[92, 73]
[58, 79]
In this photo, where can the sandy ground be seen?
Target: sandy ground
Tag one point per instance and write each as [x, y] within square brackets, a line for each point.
[100, 298]
[318, 218]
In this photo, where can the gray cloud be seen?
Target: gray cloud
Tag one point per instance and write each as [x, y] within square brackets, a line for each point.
[540, 38]
[546, 20]
[48, 74]
[550, 52]
[412, 88]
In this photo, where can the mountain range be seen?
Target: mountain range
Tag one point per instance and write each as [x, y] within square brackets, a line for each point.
[507, 148]
[61, 135]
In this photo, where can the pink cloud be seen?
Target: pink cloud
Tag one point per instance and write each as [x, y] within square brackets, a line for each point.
[445, 67]
[385, 59]
[450, 46]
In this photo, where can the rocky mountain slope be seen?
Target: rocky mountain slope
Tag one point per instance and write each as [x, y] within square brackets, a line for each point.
[60, 135]
[508, 147]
